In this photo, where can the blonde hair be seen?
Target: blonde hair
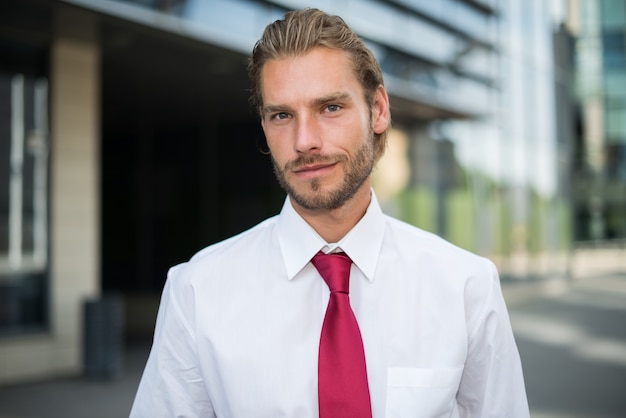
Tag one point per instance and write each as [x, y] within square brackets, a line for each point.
[299, 32]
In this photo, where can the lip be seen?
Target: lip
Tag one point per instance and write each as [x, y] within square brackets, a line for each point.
[314, 170]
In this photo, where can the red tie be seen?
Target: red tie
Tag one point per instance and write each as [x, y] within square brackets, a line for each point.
[342, 375]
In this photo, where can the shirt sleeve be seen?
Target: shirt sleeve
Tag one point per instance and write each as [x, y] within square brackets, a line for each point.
[492, 384]
[172, 384]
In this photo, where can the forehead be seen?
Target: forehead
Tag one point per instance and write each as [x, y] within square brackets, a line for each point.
[309, 75]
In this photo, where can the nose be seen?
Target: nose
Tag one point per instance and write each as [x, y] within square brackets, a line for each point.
[308, 135]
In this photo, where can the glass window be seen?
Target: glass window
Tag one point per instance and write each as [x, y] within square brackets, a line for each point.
[479, 61]
[427, 40]
[429, 7]
[616, 162]
[23, 202]
[614, 49]
[590, 14]
[615, 120]
[383, 26]
[613, 14]
[615, 83]
[218, 14]
[404, 32]
[472, 21]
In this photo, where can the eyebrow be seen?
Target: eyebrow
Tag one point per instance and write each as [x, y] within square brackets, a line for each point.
[329, 98]
[274, 109]
[332, 97]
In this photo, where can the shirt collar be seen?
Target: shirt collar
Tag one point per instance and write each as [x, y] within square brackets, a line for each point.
[299, 242]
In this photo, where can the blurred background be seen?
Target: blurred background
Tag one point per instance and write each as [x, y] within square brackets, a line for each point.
[127, 144]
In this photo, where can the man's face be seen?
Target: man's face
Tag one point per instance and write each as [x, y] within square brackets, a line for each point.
[319, 128]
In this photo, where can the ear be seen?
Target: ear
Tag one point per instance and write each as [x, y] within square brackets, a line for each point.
[381, 115]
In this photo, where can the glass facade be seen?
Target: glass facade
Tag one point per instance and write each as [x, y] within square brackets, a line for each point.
[601, 88]
[479, 153]
[23, 202]
[493, 183]
[148, 101]
[24, 172]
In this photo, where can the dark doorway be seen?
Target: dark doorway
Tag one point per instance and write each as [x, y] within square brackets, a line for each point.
[181, 160]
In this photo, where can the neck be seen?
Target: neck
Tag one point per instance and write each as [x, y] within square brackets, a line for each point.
[333, 225]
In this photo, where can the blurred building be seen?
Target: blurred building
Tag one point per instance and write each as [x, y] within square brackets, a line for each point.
[127, 144]
[600, 174]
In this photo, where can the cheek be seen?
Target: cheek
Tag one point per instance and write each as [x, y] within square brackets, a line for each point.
[278, 146]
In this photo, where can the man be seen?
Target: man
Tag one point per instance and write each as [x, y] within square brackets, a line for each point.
[242, 327]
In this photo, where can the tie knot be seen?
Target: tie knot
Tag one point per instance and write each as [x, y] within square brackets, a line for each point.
[335, 270]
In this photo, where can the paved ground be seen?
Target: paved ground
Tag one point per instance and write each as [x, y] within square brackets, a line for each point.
[572, 343]
[77, 397]
[573, 350]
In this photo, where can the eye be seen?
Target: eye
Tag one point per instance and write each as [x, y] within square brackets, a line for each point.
[280, 116]
[332, 108]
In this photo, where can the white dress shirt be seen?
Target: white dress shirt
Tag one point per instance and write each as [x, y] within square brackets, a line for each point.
[238, 328]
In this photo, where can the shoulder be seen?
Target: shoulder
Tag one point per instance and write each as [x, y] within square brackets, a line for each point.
[446, 271]
[416, 241]
[438, 260]
[241, 244]
[235, 251]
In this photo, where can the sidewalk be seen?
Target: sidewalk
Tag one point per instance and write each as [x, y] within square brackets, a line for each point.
[573, 349]
[77, 397]
[571, 337]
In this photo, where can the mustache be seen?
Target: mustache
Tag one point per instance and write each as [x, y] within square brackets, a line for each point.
[305, 160]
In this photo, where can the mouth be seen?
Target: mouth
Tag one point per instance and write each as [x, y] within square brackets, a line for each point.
[308, 171]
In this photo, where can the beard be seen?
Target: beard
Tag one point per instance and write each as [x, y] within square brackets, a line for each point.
[311, 195]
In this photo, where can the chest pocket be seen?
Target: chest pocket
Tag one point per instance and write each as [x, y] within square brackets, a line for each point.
[422, 393]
